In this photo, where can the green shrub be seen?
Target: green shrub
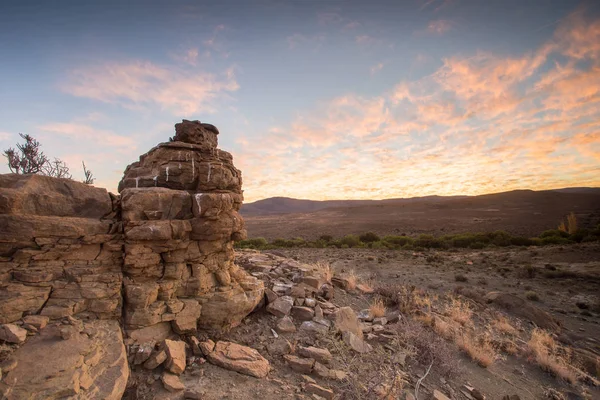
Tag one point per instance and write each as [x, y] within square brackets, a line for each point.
[520, 241]
[555, 240]
[428, 241]
[554, 233]
[257, 243]
[326, 238]
[344, 246]
[350, 241]
[369, 237]
[579, 235]
[500, 238]
[398, 240]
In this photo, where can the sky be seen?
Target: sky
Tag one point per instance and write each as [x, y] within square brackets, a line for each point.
[315, 99]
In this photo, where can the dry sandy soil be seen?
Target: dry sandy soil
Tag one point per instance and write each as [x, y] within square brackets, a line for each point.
[566, 280]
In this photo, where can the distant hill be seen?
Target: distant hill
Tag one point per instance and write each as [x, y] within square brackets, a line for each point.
[520, 212]
[287, 205]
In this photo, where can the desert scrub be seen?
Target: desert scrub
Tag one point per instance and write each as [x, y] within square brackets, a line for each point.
[481, 350]
[502, 325]
[459, 311]
[550, 356]
[377, 307]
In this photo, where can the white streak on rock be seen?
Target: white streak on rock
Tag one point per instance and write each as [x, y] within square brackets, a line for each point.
[198, 196]
[167, 172]
[137, 182]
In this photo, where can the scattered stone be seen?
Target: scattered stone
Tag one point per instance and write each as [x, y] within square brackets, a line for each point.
[437, 395]
[311, 326]
[175, 350]
[298, 302]
[345, 320]
[242, 359]
[195, 345]
[321, 355]
[39, 321]
[337, 374]
[171, 382]
[310, 302]
[297, 292]
[308, 379]
[303, 313]
[356, 343]
[143, 353]
[155, 359]
[392, 316]
[8, 365]
[321, 371]
[285, 325]
[365, 315]
[319, 391]
[302, 365]
[193, 394]
[281, 306]
[207, 347]
[319, 312]
[12, 333]
[511, 397]
[279, 347]
[380, 321]
[187, 319]
[270, 295]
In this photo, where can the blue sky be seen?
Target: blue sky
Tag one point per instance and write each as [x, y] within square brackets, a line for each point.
[315, 99]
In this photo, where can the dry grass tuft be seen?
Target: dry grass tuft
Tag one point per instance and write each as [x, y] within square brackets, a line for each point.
[377, 307]
[550, 356]
[324, 268]
[502, 325]
[481, 351]
[352, 280]
[443, 328]
[460, 311]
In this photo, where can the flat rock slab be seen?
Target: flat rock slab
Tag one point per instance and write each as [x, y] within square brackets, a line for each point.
[81, 367]
[242, 359]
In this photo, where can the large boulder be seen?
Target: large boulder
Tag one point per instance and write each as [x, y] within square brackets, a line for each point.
[46, 196]
[86, 366]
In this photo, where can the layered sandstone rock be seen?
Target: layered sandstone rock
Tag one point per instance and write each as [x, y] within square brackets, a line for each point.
[60, 250]
[180, 206]
[91, 364]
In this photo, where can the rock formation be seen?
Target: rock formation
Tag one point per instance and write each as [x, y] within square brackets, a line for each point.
[179, 207]
[160, 256]
[60, 249]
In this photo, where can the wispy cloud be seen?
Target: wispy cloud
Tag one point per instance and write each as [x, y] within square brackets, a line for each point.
[376, 68]
[87, 133]
[477, 124]
[138, 84]
[439, 26]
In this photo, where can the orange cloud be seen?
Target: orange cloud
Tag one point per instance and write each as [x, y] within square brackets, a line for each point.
[136, 84]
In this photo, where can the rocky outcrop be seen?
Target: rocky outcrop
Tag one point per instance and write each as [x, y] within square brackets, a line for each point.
[159, 258]
[60, 249]
[91, 364]
[180, 206]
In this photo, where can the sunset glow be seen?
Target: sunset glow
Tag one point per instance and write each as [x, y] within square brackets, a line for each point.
[316, 100]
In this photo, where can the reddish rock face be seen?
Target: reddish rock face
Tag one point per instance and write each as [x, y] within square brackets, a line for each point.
[180, 206]
[67, 248]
